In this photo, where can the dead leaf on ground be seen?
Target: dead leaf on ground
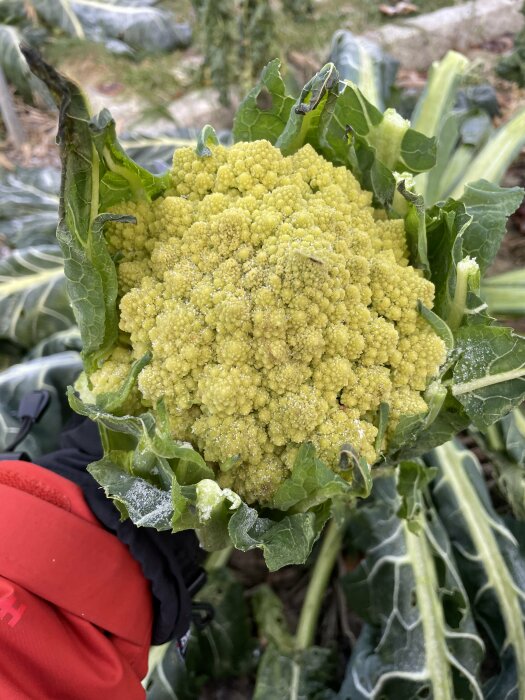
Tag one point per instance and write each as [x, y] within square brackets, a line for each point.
[399, 9]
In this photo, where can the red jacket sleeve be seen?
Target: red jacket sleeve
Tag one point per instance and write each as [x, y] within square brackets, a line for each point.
[75, 608]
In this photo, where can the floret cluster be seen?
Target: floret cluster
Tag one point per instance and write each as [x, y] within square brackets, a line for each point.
[279, 308]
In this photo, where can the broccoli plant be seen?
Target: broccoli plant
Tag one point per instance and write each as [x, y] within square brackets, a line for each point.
[281, 333]
[269, 362]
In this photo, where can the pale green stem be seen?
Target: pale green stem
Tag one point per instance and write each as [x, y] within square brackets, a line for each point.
[330, 548]
[494, 438]
[219, 559]
[487, 380]
[431, 609]
[466, 270]
[440, 93]
[437, 100]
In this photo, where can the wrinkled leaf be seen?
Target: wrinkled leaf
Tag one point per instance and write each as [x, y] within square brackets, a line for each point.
[445, 228]
[310, 483]
[146, 504]
[91, 291]
[356, 134]
[318, 96]
[33, 299]
[489, 376]
[489, 206]
[29, 211]
[283, 542]
[264, 112]
[419, 638]
[97, 173]
[140, 454]
[121, 178]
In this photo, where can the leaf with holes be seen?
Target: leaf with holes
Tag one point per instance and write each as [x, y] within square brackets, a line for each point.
[265, 110]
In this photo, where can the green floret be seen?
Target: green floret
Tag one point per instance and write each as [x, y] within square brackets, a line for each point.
[278, 308]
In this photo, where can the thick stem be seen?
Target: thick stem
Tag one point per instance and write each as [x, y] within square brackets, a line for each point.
[440, 93]
[318, 582]
[466, 271]
[219, 559]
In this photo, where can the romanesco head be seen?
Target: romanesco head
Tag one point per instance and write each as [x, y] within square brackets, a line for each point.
[278, 308]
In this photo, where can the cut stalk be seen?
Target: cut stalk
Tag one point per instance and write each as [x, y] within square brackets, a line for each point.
[440, 93]
[437, 101]
[467, 276]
